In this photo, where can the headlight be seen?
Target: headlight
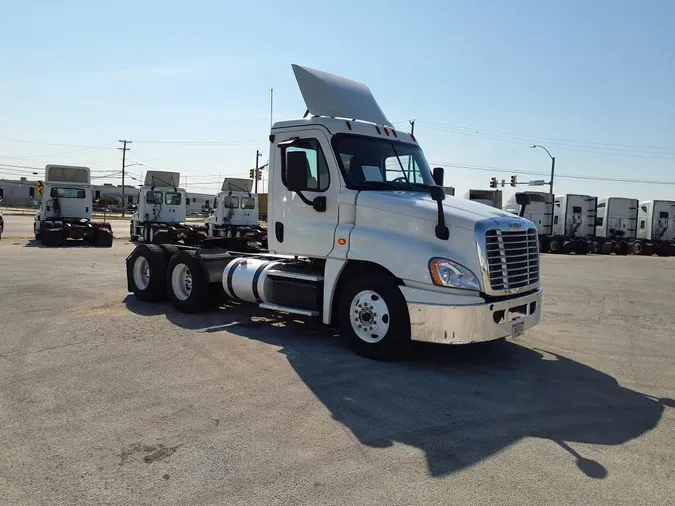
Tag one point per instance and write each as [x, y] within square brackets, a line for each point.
[445, 272]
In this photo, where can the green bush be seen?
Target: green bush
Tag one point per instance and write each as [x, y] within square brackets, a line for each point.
[107, 200]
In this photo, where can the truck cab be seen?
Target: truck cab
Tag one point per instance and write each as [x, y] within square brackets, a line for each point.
[160, 216]
[66, 208]
[235, 211]
[656, 227]
[362, 236]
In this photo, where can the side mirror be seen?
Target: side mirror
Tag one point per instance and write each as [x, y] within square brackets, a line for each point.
[523, 199]
[438, 174]
[296, 171]
[437, 193]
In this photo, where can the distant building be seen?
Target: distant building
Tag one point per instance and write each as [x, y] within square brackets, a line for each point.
[19, 192]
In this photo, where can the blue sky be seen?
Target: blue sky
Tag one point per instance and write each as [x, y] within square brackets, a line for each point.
[592, 81]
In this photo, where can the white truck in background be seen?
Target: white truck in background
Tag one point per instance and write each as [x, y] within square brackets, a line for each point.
[492, 198]
[161, 213]
[565, 223]
[616, 226]
[66, 209]
[656, 228]
[362, 236]
[235, 213]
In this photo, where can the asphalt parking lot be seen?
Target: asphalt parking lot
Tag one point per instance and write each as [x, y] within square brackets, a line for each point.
[106, 400]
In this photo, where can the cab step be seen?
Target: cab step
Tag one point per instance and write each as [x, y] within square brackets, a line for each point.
[286, 309]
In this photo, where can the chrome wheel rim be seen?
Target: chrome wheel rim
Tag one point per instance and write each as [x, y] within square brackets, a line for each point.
[369, 316]
[141, 273]
[181, 282]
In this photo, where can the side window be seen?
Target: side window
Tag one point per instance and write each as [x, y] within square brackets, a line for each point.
[601, 205]
[153, 197]
[576, 209]
[642, 224]
[318, 176]
[555, 220]
[231, 202]
[215, 203]
[663, 215]
[247, 203]
[172, 199]
[598, 221]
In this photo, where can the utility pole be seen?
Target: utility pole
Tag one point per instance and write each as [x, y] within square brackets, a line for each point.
[255, 174]
[552, 172]
[124, 150]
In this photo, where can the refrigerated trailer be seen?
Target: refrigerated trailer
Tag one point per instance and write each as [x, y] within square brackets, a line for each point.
[564, 222]
[656, 228]
[491, 198]
[616, 226]
[66, 209]
[362, 236]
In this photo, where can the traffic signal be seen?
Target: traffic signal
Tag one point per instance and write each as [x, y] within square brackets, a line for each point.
[493, 182]
[260, 175]
[514, 181]
[250, 174]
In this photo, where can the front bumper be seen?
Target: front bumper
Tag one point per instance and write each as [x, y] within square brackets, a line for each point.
[463, 323]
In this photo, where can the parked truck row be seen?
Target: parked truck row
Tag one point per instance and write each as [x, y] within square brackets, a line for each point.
[361, 235]
[585, 224]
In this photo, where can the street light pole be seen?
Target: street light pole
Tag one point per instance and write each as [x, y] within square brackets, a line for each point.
[550, 184]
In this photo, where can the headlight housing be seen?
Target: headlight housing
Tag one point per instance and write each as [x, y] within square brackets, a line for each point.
[445, 272]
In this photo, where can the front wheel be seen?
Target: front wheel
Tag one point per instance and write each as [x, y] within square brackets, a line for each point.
[373, 316]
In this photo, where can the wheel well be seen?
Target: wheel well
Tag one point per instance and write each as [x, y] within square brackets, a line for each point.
[354, 268]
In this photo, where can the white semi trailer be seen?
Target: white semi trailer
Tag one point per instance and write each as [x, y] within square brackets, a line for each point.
[161, 213]
[616, 226]
[362, 236]
[656, 228]
[66, 209]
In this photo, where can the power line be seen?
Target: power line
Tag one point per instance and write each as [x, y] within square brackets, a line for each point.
[639, 147]
[56, 144]
[204, 143]
[566, 176]
[566, 147]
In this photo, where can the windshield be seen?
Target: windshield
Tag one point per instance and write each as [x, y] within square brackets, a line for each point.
[68, 193]
[368, 163]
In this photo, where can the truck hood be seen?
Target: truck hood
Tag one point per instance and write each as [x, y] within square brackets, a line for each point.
[458, 212]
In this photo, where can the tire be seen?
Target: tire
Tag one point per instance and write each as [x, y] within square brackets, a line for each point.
[543, 244]
[186, 284]
[638, 248]
[582, 248]
[621, 248]
[146, 273]
[378, 300]
[595, 247]
[103, 240]
[555, 245]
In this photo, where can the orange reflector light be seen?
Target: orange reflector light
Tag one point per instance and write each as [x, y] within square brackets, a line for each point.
[349, 125]
[377, 128]
[342, 241]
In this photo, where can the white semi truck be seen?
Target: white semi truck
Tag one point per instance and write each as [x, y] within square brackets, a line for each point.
[656, 228]
[361, 241]
[235, 213]
[66, 209]
[616, 226]
[161, 213]
[565, 223]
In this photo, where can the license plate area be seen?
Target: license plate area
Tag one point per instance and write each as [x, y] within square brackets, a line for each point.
[517, 329]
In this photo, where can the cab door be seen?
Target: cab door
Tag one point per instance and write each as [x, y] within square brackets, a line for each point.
[295, 227]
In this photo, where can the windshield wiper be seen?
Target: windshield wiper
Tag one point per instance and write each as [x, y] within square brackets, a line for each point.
[398, 159]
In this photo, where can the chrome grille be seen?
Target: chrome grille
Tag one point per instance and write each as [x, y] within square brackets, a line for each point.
[512, 258]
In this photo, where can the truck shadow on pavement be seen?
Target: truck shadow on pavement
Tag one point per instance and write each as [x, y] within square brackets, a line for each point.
[459, 405]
